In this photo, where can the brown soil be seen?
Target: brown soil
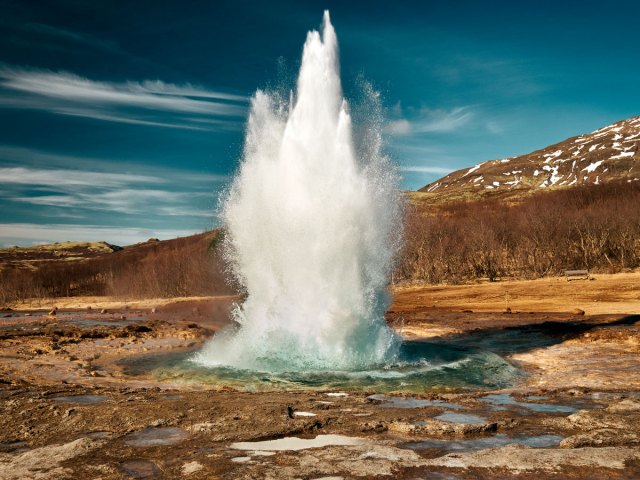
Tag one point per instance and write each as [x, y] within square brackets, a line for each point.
[601, 294]
[587, 361]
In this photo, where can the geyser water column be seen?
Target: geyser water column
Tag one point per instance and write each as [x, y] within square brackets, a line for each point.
[312, 226]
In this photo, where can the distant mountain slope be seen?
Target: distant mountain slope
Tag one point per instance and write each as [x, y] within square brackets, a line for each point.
[31, 257]
[611, 153]
[186, 266]
[42, 255]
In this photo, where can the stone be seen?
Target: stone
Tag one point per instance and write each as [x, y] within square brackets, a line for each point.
[369, 460]
[44, 462]
[517, 459]
[626, 405]
[598, 419]
[605, 437]
[191, 468]
[440, 428]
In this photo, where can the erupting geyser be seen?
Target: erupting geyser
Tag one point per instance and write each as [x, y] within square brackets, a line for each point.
[312, 226]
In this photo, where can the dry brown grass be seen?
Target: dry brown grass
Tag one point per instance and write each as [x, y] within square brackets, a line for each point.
[183, 267]
[595, 228]
[605, 294]
[107, 302]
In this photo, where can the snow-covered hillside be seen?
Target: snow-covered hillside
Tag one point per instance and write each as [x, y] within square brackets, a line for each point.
[610, 153]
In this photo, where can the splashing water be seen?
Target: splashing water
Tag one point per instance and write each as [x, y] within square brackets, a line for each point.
[312, 225]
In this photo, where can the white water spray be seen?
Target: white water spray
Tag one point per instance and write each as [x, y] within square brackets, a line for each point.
[312, 224]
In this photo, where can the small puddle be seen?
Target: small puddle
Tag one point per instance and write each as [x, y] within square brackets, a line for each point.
[453, 417]
[295, 443]
[140, 469]
[82, 399]
[500, 440]
[155, 437]
[88, 322]
[32, 314]
[409, 402]
[500, 400]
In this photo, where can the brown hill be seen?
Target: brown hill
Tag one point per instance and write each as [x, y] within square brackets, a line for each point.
[31, 257]
[610, 154]
[593, 227]
[170, 268]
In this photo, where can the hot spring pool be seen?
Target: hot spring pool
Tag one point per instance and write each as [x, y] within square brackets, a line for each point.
[419, 366]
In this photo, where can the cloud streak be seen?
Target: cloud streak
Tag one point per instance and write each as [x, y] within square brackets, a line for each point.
[150, 102]
[425, 169]
[71, 36]
[61, 168]
[67, 178]
[427, 120]
[128, 201]
[77, 193]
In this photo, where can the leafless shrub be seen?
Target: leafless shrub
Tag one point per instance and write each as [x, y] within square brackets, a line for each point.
[592, 227]
[187, 266]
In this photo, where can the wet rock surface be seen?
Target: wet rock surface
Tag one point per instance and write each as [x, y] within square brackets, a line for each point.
[69, 408]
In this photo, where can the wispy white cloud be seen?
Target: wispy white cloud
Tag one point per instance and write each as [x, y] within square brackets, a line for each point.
[152, 95]
[501, 77]
[102, 192]
[125, 201]
[401, 126]
[43, 165]
[161, 88]
[71, 36]
[29, 233]
[153, 193]
[494, 127]
[427, 120]
[67, 177]
[186, 211]
[75, 112]
[425, 169]
[148, 103]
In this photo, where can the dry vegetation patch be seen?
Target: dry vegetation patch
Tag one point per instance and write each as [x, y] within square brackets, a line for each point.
[189, 266]
[593, 227]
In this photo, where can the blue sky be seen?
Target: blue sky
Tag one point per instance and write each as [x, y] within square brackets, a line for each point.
[121, 121]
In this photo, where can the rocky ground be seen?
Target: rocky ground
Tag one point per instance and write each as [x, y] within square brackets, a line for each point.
[72, 408]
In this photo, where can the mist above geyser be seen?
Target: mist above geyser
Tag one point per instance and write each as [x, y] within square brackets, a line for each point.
[312, 223]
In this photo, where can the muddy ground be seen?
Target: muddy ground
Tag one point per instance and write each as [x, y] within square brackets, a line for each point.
[70, 407]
